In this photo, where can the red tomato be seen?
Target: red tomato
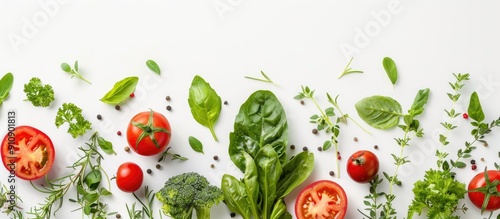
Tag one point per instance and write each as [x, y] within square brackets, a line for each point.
[27, 152]
[477, 198]
[320, 200]
[362, 166]
[129, 177]
[148, 133]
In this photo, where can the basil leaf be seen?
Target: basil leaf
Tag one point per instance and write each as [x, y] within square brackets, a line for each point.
[421, 98]
[5, 86]
[153, 66]
[390, 69]
[93, 179]
[475, 110]
[235, 195]
[205, 104]
[251, 184]
[295, 172]
[261, 121]
[106, 146]
[379, 111]
[195, 144]
[121, 90]
[269, 170]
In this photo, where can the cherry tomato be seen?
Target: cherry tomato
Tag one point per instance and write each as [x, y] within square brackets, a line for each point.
[27, 152]
[129, 177]
[148, 133]
[479, 181]
[362, 166]
[320, 200]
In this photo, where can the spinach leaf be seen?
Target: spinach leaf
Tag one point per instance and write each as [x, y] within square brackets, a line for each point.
[205, 104]
[261, 121]
[251, 184]
[121, 90]
[269, 169]
[5, 86]
[280, 211]
[195, 144]
[417, 107]
[390, 69]
[153, 66]
[295, 172]
[379, 111]
[235, 196]
[475, 110]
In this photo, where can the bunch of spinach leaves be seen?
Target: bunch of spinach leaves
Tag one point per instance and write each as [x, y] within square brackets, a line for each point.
[258, 148]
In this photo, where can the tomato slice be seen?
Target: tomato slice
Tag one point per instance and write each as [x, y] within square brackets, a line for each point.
[321, 200]
[27, 152]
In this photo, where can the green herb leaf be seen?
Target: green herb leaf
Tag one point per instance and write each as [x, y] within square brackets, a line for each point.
[195, 144]
[72, 114]
[390, 69]
[93, 179]
[205, 104]
[38, 94]
[475, 110]
[269, 170]
[379, 111]
[74, 72]
[295, 172]
[5, 86]
[421, 98]
[153, 66]
[120, 91]
[106, 146]
[261, 121]
[235, 195]
[250, 180]
[65, 67]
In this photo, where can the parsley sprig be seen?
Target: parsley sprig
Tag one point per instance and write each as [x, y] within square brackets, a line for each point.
[38, 93]
[87, 180]
[72, 114]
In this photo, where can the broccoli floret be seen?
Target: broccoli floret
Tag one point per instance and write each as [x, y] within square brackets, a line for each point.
[186, 192]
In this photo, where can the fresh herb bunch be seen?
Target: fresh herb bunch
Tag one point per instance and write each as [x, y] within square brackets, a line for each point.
[14, 211]
[439, 192]
[72, 114]
[385, 113]
[73, 71]
[147, 206]
[87, 181]
[38, 93]
[326, 119]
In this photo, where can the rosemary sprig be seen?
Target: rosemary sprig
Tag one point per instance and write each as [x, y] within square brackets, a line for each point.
[174, 156]
[86, 179]
[348, 69]
[266, 78]
[147, 206]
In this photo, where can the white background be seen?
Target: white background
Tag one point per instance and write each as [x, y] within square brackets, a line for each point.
[295, 42]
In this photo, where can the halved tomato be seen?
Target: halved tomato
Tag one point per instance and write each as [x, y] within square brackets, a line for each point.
[27, 152]
[321, 200]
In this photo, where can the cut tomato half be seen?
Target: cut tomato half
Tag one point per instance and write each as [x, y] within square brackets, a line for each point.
[322, 199]
[27, 152]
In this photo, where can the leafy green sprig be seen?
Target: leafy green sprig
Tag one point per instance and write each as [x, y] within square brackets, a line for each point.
[72, 114]
[38, 93]
[348, 69]
[5, 202]
[147, 206]
[174, 156]
[372, 206]
[73, 71]
[6, 83]
[86, 179]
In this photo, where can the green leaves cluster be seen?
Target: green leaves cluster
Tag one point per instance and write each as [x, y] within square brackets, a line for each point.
[121, 90]
[72, 114]
[73, 71]
[87, 179]
[205, 104]
[258, 148]
[5, 86]
[37, 93]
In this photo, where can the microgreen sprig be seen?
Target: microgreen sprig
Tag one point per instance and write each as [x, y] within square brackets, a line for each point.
[348, 69]
[86, 179]
[266, 78]
[73, 71]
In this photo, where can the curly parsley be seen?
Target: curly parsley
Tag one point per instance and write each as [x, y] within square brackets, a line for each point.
[72, 114]
[38, 94]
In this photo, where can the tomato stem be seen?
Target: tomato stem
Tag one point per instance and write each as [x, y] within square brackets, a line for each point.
[149, 130]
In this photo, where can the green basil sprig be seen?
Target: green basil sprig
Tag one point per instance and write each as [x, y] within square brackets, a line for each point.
[390, 69]
[121, 90]
[195, 144]
[205, 104]
[5, 86]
